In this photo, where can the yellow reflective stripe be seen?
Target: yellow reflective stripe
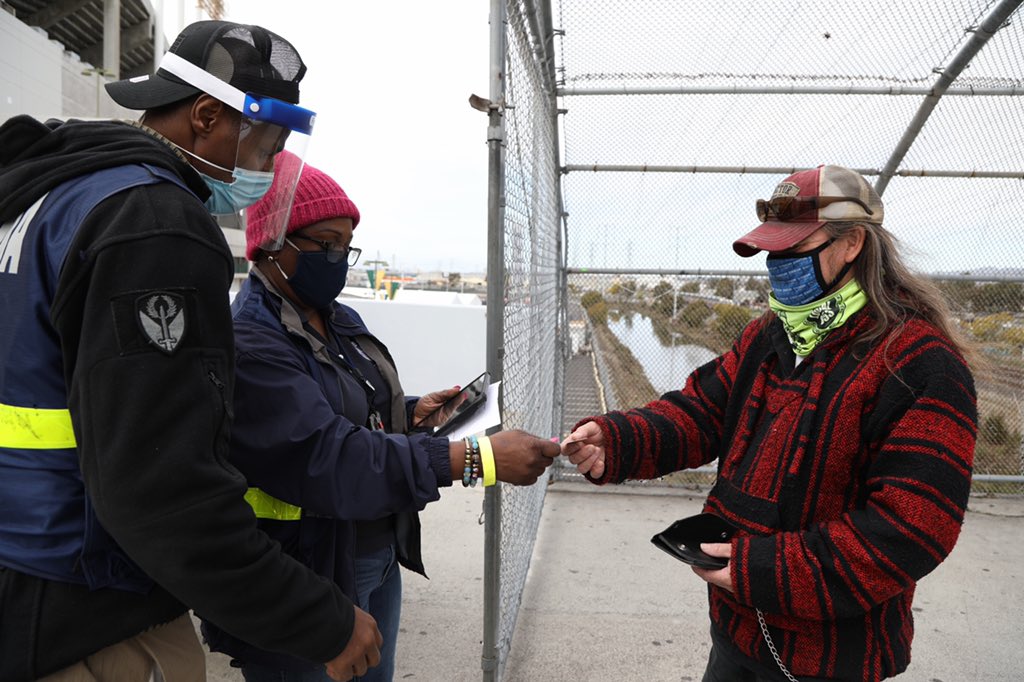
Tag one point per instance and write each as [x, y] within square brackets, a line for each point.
[267, 507]
[31, 428]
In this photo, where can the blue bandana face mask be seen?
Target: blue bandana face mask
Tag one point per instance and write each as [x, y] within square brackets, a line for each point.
[796, 279]
[316, 280]
[248, 187]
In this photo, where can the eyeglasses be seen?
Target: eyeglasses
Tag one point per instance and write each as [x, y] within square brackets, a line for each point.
[335, 251]
[799, 208]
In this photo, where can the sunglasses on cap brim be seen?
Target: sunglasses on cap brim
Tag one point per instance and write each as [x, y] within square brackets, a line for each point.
[796, 209]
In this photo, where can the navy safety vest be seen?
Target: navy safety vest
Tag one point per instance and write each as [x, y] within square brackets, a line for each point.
[47, 524]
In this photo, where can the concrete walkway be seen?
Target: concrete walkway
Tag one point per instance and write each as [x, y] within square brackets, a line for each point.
[601, 603]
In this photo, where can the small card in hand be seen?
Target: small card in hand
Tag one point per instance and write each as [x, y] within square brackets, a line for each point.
[682, 539]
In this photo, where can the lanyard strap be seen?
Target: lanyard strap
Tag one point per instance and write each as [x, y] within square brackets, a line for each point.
[334, 352]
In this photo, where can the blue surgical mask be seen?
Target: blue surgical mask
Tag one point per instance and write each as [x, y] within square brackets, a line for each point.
[316, 280]
[230, 197]
[796, 279]
[248, 187]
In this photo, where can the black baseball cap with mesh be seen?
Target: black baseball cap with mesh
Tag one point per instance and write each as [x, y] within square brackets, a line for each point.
[250, 58]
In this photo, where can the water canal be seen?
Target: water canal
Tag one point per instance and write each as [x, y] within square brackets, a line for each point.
[666, 359]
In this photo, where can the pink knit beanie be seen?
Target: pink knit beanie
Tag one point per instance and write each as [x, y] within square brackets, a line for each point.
[317, 197]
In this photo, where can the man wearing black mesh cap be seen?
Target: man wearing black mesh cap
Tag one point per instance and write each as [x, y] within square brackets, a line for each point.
[118, 511]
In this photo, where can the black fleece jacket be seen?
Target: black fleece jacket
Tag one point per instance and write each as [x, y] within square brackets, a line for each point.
[152, 428]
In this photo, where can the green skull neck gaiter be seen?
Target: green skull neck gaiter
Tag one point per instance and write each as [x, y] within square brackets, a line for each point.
[806, 325]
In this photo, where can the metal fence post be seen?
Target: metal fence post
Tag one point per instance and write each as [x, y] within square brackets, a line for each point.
[495, 324]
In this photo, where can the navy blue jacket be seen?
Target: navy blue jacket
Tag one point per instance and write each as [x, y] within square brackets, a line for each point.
[150, 420]
[300, 436]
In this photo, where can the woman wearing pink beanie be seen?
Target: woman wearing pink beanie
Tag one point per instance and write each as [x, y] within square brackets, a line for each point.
[323, 429]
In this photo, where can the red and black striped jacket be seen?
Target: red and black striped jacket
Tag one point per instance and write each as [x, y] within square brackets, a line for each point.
[848, 476]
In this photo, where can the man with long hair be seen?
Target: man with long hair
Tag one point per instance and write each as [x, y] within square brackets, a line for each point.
[843, 422]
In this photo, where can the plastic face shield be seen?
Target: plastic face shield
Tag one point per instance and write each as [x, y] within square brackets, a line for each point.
[267, 126]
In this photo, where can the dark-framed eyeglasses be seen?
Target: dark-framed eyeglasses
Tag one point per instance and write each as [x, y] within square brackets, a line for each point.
[799, 208]
[335, 251]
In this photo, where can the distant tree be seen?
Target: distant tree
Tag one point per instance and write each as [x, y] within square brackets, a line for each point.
[959, 293]
[454, 280]
[695, 313]
[998, 444]
[995, 432]
[598, 312]
[660, 289]
[730, 320]
[1014, 335]
[596, 308]
[998, 297]
[991, 327]
[590, 298]
[692, 287]
[666, 305]
[662, 296]
[725, 287]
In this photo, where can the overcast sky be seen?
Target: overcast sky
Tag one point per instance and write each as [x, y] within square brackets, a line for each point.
[390, 82]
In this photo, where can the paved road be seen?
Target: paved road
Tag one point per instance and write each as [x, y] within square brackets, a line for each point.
[602, 604]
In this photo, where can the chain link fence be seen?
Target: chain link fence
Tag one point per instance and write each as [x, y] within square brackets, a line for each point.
[922, 98]
[646, 332]
[531, 360]
[634, 140]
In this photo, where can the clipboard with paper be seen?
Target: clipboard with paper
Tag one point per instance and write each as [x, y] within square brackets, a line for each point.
[484, 415]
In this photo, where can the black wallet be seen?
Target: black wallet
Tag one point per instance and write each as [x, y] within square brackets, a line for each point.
[682, 539]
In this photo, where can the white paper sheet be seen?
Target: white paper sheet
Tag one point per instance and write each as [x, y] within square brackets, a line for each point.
[487, 416]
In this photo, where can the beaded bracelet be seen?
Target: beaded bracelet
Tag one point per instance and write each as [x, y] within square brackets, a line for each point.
[471, 465]
[477, 466]
[467, 469]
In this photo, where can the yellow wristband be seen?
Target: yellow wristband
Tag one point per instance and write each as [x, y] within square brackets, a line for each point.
[487, 461]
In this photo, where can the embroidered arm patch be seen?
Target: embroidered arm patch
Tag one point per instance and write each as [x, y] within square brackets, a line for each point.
[157, 318]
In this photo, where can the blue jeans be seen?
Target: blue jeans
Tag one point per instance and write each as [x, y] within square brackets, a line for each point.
[379, 593]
